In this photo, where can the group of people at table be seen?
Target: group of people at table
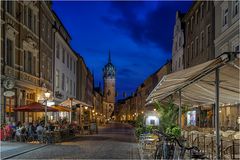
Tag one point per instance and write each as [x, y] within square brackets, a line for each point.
[12, 131]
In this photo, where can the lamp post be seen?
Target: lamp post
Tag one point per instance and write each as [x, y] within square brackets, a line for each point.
[47, 95]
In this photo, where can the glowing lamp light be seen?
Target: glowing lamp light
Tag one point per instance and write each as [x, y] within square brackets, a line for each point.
[86, 107]
[93, 111]
[47, 94]
[154, 109]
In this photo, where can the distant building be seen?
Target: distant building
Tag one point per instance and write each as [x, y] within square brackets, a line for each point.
[109, 78]
[226, 27]
[133, 106]
[82, 72]
[199, 33]
[178, 43]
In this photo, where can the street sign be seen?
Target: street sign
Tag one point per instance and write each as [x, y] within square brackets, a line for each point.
[9, 93]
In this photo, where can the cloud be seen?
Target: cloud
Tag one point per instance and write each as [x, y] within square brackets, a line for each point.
[154, 27]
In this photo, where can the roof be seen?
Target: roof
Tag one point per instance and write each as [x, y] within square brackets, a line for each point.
[197, 84]
[61, 24]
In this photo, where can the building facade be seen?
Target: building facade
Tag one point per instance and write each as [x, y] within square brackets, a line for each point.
[178, 43]
[26, 56]
[199, 33]
[227, 40]
[65, 65]
[133, 106]
[226, 27]
[81, 79]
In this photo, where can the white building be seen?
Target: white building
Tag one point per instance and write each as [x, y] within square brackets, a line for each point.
[65, 65]
[226, 26]
[178, 42]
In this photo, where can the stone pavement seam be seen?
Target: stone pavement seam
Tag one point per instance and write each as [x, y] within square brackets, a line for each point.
[25, 151]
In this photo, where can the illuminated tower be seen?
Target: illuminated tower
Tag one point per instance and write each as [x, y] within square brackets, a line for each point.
[109, 73]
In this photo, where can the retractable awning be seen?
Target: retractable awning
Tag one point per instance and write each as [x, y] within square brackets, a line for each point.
[197, 84]
[61, 108]
[73, 101]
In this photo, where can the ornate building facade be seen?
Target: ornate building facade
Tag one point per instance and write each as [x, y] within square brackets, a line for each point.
[26, 55]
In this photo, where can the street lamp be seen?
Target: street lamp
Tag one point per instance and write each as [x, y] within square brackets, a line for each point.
[47, 95]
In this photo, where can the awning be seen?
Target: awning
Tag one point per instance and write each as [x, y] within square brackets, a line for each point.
[197, 84]
[34, 107]
[73, 101]
[61, 108]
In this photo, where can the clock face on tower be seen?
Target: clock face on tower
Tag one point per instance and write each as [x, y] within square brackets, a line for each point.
[8, 83]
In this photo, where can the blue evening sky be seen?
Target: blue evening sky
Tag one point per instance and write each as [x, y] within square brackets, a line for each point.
[138, 34]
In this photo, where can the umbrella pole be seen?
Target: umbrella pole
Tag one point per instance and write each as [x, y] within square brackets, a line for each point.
[70, 116]
[217, 114]
[45, 113]
[180, 108]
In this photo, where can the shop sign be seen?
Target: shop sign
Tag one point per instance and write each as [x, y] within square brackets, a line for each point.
[9, 93]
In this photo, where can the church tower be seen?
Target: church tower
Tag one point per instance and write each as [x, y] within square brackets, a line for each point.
[109, 73]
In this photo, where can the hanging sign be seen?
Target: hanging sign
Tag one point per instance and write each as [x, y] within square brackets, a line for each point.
[9, 93]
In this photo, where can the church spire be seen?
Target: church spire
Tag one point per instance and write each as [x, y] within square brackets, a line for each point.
[109, 56]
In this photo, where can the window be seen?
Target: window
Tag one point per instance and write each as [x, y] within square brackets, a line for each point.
[67, 85]
[29, 62]
[202, 40]
[208, 5]
[63, 81]
[34, 65]
[237, 48]
[197, 46]
[74, 88]
[35, 24]
[225, 17]
[202, 10]
[68, 60]
[188, 58]
[74, 67]
[152, 122]
[30, 18]
[70, 86]
[25, 15]
[208, 35]
[179, 62]
[70, 63]
[235, 8]
[192, 45]
[57, 78]
[10, 7]
[63, 55]
[10, 53]
[196, 17]
[57, 50]
[192, 23]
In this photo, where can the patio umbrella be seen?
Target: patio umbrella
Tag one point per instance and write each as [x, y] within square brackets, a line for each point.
[34, 107]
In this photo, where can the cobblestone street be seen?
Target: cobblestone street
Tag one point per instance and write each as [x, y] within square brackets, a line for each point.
[115, 141]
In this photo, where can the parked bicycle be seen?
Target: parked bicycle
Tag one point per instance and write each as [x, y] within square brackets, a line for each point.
[171, 148]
